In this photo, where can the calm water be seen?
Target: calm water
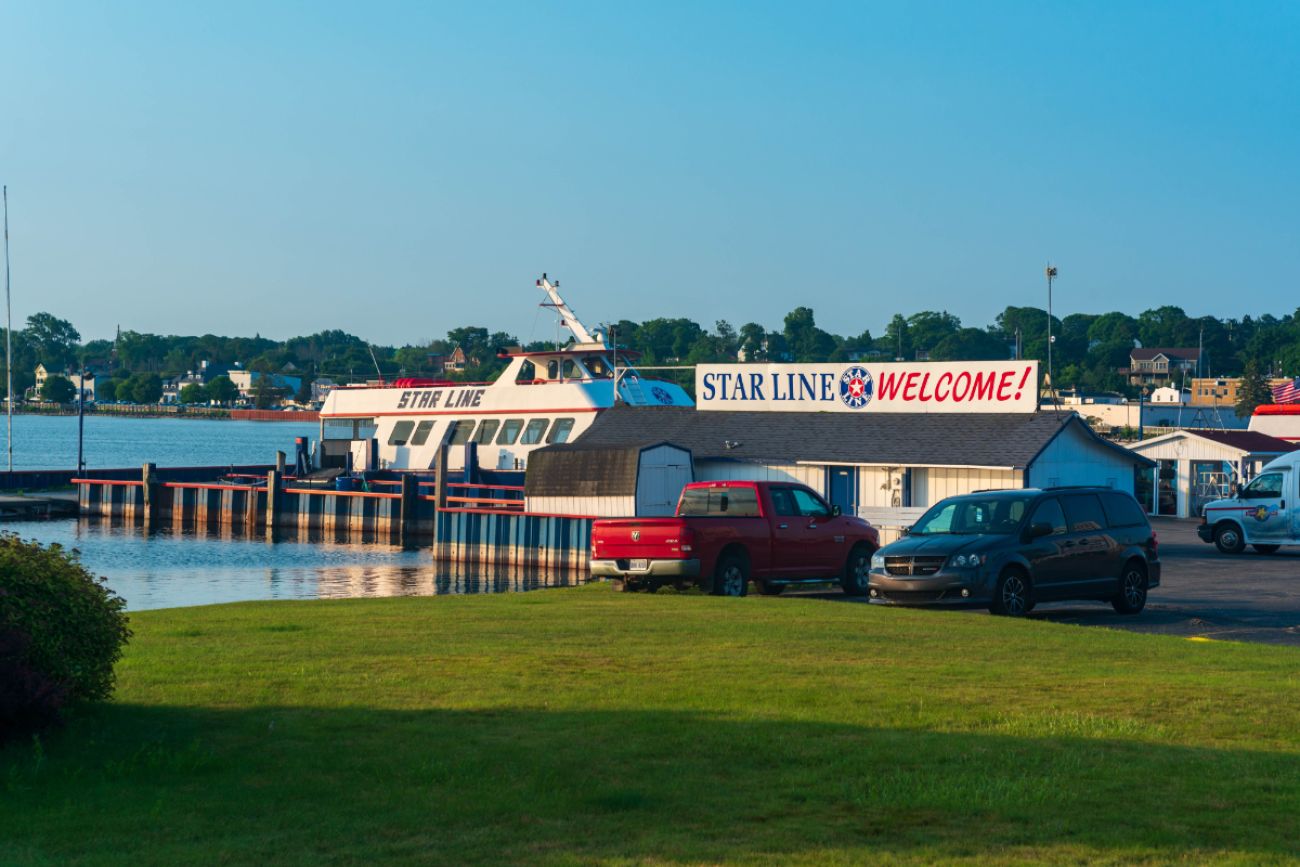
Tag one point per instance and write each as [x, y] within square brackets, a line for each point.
[50, 442]
[165, 570]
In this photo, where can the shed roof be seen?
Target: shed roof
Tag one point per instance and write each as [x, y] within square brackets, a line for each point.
[583, 470]
[1247, 441]
[1005, 440]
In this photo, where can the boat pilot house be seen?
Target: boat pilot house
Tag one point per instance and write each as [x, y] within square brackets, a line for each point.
[896, 459]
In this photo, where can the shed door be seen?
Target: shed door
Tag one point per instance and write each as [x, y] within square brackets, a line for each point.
[661, 475]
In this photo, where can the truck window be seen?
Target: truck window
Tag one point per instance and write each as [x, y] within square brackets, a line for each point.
[809, 504]
[718, 503]
[783, 502]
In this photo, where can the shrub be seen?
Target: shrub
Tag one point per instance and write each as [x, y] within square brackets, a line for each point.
[30, 700]
[74, 627]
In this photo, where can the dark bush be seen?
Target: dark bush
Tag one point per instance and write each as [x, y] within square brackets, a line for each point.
[73, 626]
[30, 700]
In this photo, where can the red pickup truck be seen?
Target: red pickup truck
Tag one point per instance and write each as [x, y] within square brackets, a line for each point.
[727, 533]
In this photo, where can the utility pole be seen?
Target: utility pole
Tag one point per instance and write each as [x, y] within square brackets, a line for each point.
[1051, 275]
[9, 344]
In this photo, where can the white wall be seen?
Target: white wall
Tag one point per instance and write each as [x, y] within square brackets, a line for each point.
[719, 471]
[1075, 458]
[932, 484]
[600, 507]
[662, 473]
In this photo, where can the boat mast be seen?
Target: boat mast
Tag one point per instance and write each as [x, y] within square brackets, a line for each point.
[568, 318]
[9, 345]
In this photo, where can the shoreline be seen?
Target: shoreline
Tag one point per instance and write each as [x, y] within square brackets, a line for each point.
[219, 414]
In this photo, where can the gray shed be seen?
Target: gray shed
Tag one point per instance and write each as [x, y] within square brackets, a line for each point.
[626, 480]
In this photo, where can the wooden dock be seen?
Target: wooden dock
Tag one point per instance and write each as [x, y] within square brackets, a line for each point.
[38, 507]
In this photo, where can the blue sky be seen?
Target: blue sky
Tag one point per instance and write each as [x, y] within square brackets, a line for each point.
[400, 169]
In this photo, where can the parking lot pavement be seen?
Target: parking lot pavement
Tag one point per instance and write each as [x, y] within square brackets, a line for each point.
[1206, 594]
[1202, 593]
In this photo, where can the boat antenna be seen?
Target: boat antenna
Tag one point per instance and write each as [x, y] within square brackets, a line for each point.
[568, 318]
[376, 361]
[9, 344]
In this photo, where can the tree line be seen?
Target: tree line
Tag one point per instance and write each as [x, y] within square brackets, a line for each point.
[1088, 349]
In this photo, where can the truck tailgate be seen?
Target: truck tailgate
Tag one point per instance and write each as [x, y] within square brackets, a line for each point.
[641, 538]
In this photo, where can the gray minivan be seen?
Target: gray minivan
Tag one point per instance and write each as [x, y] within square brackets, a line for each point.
[1009, 550]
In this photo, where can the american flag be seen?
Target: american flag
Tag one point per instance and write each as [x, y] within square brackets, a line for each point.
[1287, 392]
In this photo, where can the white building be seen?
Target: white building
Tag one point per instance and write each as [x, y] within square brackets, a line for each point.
[1194, 467]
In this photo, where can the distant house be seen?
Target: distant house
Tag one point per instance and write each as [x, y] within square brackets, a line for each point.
[1221, 391]
[43, 373]
[458, 360]
[321, 388]
[246, 380]
[1169, 394]
[1158, 366]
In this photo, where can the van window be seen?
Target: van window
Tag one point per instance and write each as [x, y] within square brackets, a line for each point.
[560, 431]
[533, 433]
[510, 431]
[486, 430]
[422, 433]
[1049, 512]
[1123, 511]
[1264, 487]
[460, 432]
[401, 433]
[1084, 513]
[719, 503]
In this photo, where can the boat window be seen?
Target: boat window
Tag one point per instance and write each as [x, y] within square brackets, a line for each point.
[349, 428]
[571, 369]
[597, 366]
[560, 431]
[461, 431]
[486, 430]
[422, 433]
[510, 431]
[527, 372]
[401, 433]
[552, 369]
[533, 433]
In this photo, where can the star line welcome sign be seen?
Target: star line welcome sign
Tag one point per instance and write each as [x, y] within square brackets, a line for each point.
[938, 386]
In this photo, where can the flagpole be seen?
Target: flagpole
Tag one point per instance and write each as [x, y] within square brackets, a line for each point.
[9, 345]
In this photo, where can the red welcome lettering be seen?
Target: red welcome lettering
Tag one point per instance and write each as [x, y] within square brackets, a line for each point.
[1005, 386]
[889, 384]
[942, 397]
[925, 381]
[911, 384]
[982, 387]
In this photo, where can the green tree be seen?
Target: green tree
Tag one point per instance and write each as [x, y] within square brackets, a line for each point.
[928, 329]
[193, 393]
[1253, 391]
[265, 390]
[303, 396]
[54, 340]
[58, 389]
[222, 390]
[805, 340]
[145, 388]
[971, 344]
[106, 390]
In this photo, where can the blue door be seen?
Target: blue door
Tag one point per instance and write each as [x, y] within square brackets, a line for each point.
[843, 488]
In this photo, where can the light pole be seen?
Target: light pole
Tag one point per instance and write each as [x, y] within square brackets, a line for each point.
[1051, 275]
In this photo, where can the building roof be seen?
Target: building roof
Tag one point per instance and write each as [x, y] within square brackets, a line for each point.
[1246, 441]
[585, 470]
[1004, 440]
[1139, 353]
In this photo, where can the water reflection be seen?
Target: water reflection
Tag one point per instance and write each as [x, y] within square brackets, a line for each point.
[163, 568]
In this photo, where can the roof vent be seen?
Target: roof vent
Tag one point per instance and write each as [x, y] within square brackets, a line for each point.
[730, 444]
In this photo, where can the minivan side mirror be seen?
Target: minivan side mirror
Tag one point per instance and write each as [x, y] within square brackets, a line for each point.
[1038, 531]
[906, 531]
[836, 511]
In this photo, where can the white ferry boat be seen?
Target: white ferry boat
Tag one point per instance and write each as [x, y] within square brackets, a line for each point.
[541, 398]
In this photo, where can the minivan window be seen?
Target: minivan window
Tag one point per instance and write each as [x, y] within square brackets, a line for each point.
[972, 515]
[560, 431]
[510, 431]
[719, 503]
[1084, 513]
[533, 433]
[1122, 511]
[401, 433]
[421, 435]
[1049, 512]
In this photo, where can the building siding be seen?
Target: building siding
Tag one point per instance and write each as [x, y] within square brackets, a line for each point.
[1073, 458]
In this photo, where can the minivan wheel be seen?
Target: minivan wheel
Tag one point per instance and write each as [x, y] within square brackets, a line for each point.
[1132, 596]
[857, 571]
[1013, 596]
[731, 578]
[1267, 549]
[1227, 538]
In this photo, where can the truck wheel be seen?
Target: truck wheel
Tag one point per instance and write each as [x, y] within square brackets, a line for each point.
[731, 577]
[857, 571]
[1227, 538]
[1267, 549]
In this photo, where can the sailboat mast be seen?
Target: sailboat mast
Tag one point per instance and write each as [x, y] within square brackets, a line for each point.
[9, 345]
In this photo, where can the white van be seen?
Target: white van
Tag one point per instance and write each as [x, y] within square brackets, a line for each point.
[1264, 513]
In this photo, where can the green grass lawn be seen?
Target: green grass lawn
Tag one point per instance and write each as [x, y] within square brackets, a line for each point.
[585, 726]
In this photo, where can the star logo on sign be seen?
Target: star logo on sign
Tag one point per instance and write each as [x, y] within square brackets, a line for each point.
[856, 387]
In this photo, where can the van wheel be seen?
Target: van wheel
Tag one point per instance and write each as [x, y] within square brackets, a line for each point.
[1132, 596]
[1013, 596]
[1267, 549]
[857, 571]
[731, 577]
[771, 588]
[1227, 538]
